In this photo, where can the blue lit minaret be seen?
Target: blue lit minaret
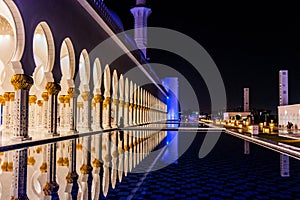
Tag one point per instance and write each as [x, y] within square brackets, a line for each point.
[141, 14]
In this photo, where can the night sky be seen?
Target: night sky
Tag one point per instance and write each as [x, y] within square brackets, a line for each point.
[249, 42]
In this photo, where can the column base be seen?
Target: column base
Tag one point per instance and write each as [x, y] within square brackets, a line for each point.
[22, 197]
[54, 134]
[20, 138]
[73, 131]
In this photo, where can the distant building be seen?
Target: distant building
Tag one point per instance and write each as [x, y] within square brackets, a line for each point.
[233, 115]
[246, 99]
[286, 113]
[289, 113]
[283, 88]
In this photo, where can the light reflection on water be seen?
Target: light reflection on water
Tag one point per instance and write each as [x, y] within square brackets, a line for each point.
[102, 158]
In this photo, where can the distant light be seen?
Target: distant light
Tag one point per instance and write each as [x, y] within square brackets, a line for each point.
[167, 97]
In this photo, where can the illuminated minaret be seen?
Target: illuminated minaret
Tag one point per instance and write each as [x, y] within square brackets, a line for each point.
[141, 14]
[283, 88]
[246, 99]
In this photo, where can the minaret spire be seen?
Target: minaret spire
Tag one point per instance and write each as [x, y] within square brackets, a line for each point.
[140, 2]
[141, 14]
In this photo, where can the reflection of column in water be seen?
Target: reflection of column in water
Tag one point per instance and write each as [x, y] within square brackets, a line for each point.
[121, 153]
[105, 158]
[130, 150]
[60, 154]
[96, 168]
[5, 162]
[134, 148]
[142, 144]
[42, 178]
[19, 180]
[126, 148]
[72, 175]
[51, 187]
[65, 153]
[85, 168]
[114, 155]
[138, 146]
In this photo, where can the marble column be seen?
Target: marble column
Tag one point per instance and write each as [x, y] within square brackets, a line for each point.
[106, 115]
[62, 113]
[11, 110]
[53, 89]
[22, 83]
[87, 111]
[121, 126]
[2, 104]
[45, 97]
[67, 116]
[126, 104]
[134, 111]
[73, 110]
[138, 105]
[39, 114]
[98, 111]
[6, 114]
[130, 112]
[79, 114]
[32, 112]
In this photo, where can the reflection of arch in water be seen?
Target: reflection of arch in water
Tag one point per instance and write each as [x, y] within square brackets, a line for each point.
[43, 54]
[35, 184]
[107, 81]
[12, 42]
[67, 65]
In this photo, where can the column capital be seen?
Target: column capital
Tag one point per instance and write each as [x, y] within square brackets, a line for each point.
[85, 96]
[21, 81]
[98, 98]
[61, 98]
[6, 96]
[45, 96]
[53, 88]
[72, 92]
[11, 96]
[32, 99]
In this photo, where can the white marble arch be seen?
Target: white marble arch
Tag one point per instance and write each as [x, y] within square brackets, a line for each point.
[97, 76]
[43, 53]
[84, 71]
[84, 88]
[114, 107]
[12, 43]
[121, 99]
[67, 66]
[97, 79]
[126, 103]
[106, 103]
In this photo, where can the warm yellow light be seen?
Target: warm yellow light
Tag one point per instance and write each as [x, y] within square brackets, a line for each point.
[266, 130]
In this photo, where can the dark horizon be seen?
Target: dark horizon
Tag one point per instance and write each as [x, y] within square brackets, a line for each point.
[249, 43]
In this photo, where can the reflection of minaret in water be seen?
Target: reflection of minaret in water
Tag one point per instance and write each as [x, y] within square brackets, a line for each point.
[141, 13]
